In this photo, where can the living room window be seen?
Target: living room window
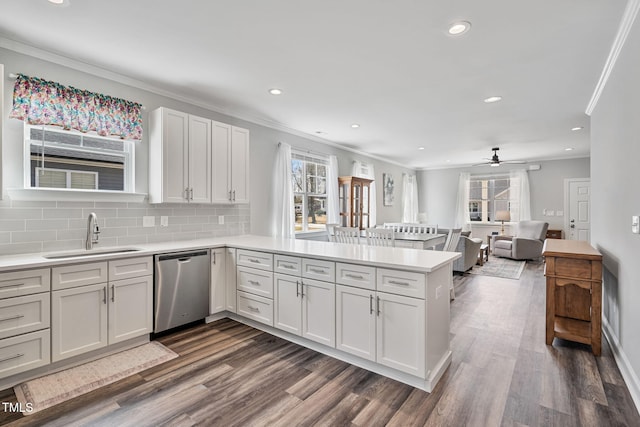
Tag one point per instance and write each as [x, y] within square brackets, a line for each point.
[309, 180]
[57, 158]
[488, 195]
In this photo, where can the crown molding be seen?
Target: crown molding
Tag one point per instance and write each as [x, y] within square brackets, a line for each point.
[628, 18]
[65, 61]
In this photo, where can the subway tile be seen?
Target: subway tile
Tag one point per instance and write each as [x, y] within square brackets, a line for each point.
[71, 234]
[198, 219]
[113, 232]
[112, 205]
[127, 213]
[67, 213]
[82, 223]
[172, 228]
[5, 238]
[205, 211]
[184, 212]
[159, 238]
[138, 205]
[138, 231]
[205, 235]
[120, 222]
[100, 213]
[107, 241]
[79, 204]
[46, 224]
[62, 245]
[132, 240]
[160, 211]
[184, 236]
[33, 204]
[12, 225]
[20, 213]
[21, 248]
[32, 236]
[190, 227]
[179, 220]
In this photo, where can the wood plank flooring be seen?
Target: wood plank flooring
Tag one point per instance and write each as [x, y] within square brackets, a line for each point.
[502, 374]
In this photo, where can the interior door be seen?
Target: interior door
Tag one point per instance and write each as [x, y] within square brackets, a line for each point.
[579, 219]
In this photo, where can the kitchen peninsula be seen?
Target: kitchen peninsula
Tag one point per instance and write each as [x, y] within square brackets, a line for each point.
[384, 309]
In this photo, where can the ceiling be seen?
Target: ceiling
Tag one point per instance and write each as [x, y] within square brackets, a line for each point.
[389, 66]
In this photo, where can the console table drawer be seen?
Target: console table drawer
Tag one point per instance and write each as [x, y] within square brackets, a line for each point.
[254, 281]
[255, 259]
[24, 314]
[255, 307]
[24, 282]
[361, 276]
[401, 282]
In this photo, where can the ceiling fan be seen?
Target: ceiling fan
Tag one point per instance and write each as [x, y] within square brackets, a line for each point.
[495, 161]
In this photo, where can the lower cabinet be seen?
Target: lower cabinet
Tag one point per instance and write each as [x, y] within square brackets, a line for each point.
[385, 328]
[218, 290]
[305, 307]
[130, 308]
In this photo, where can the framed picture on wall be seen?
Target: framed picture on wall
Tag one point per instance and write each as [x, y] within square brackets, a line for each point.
[387, 189]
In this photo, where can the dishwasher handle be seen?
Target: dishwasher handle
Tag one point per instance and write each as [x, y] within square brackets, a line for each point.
[181, 256]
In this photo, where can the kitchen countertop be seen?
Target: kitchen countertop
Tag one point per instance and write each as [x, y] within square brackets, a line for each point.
[413, 259]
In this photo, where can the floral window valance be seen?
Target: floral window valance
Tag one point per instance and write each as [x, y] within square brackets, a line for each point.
[41, 102]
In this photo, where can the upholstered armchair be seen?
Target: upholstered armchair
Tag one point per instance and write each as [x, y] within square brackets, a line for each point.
[468, 246]
[525, 244]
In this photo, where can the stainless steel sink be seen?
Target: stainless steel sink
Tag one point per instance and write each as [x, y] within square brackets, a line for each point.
[88, 253]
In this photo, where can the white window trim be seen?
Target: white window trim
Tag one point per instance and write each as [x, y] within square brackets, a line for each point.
[488, 177]
[318, 159]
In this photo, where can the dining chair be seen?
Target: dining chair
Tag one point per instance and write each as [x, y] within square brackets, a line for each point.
[331, 231]
[422, 228]
[346, 235]
[380, 237]
[450, 245]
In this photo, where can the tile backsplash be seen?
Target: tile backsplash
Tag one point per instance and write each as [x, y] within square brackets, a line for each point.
[47, 226]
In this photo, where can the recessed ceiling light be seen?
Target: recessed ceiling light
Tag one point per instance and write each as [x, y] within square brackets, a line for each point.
[56, 1]
[458, 28]
[355, 125]
[275, 91]
[568, 149]
[492, 99]
[576, 128]
[420, 148]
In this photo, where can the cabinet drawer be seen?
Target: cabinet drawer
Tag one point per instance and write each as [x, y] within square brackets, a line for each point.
[360, 276]
[401, 282]
[254, 281]
[130, 267]
[24, 282]
[71, 276]
[261, 260]
[24, 314]
[255, 307]
[320, 270]
[287, 265]
[24, 352]
[570, 267]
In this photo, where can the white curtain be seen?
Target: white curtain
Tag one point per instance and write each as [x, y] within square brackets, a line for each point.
[333, 203]
[520, 194]
[409, 198]
[362, 170]
[462, 203]
[283, 216]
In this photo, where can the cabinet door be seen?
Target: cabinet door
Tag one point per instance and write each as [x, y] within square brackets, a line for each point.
[78, 320]
[199, 159]
[288, 310]
[221, 173]
[218, 291]
[130, 308]
[319, 311]
[356, 321]
[230, 270]
[239, 165]
[175, 156]
[400, 335]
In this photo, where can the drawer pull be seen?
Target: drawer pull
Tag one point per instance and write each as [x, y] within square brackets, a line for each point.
[253, 260]
[113, 293]
[395, 282]
[378, 305]
[355, 276]
[18, 316]
[254, 309]
[254, 282]
[288, 266]
[15, 356]
[297, 289]
[370, 304]
[318, 270]
[12, 285]
[104, 290]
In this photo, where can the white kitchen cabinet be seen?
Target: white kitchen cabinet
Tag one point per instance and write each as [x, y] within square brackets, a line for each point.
[130, 308]
[179, 157]
[96, 312]
[356, 321]
[78, 320]
[218, 291]
[319, 311]
[230, 163]
[288, 305]
[231, 273]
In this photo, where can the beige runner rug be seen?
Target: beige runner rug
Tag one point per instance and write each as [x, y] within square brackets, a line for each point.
[52, 389]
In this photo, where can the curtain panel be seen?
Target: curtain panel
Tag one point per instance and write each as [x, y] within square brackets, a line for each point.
[282, 216]
[41, 102]
[409, 198]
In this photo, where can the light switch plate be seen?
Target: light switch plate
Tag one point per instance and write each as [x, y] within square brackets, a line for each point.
[635, 224]
[220, 219]
[148, 221]
[560, 213]
[550, 213]
[164, 221]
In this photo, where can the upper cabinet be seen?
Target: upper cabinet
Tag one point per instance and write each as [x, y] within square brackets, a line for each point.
[230, 164]
[197, 160]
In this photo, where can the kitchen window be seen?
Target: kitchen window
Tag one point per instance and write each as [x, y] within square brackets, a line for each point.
[61, 159]
[309, 180]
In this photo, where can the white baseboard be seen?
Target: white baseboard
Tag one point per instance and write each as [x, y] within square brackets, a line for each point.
[628, 374]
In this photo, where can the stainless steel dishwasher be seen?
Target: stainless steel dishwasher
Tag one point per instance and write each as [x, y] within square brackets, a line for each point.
[181, 288]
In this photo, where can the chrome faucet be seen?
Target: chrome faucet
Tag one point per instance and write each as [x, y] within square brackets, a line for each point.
[92, 230]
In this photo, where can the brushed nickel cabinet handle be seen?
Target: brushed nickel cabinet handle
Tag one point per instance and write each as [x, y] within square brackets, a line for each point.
[370, 304]
[354, 276]
[297, 289]
[254, 282]
[15, 356]
[104, 295]
[113, 293]
[254, 309]
[395, 282]
[12, 285]
[378, 305]
[18, 316]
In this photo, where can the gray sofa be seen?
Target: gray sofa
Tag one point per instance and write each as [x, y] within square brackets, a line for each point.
[468, 246]
[526, 243]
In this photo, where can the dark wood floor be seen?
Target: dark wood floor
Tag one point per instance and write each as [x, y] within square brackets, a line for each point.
[502, 374]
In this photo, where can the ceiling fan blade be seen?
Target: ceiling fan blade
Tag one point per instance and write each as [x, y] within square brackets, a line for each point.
[513, 162]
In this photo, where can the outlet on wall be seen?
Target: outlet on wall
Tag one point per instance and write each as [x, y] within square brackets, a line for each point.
[148, 221]
[220, 219]
[164, 221]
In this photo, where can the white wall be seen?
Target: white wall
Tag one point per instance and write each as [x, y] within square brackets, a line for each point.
[615, 170]
[438, 189]
[26, 235]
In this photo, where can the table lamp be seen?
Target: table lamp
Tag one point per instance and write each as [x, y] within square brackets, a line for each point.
[502, 216]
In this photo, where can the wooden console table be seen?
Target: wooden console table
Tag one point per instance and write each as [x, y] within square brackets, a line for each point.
[574, 292]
